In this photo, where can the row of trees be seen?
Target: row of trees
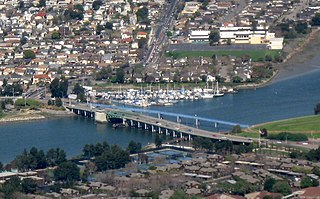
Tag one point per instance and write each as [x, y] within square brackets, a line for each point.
[312, 155]
[221, 146]
[110, 157]
[11, 89]
[37, 159]
[283, 136]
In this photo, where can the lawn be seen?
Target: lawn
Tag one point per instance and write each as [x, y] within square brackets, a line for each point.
[256, 55]
[309, 125]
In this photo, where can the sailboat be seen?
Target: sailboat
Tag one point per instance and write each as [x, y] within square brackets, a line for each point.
[217, 92]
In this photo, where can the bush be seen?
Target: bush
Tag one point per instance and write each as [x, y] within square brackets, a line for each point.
[28, 102]
[288, 136]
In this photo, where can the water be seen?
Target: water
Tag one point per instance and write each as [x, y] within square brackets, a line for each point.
[68, 133]
[287, 98]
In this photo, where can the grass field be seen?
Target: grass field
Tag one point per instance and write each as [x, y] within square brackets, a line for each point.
[309, 125]
[255, 55]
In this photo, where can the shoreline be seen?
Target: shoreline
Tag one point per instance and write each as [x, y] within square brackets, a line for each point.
[291, 65]
[39, 115]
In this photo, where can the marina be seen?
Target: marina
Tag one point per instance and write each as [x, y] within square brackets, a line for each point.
[160, 97]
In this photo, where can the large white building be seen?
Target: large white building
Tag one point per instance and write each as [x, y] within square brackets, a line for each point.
[248, 35]
[199, 35]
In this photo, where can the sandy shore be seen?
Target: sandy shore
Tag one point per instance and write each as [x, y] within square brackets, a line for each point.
[301, 60]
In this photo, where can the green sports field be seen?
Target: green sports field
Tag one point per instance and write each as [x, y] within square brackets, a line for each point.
[255, 55]
[309, 125]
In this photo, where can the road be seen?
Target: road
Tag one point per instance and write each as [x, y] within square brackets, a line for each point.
[153, 51]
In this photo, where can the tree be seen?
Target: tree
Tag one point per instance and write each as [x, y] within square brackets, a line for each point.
[236, 129]
[109, 26]
[96, 4]
[202, 143]
[142, 14]
[236, 79]
[28, 186]
[114, 158]
[29, 54]
[21, 5]
[317, 109]
[268, 58]
[301, 27]
[56, 156]
[42, 3]
[263, 132]
[268, 184]
[134, 147]
[306, 182]
[55, 35]
[169, 34]
[119, 76]
[23, 40]
[67, 172]
[142, 42]
[315, 21]
[99, 28]
[11, 186]
[282, 187]
[157, 141]
[59, 87]
[59, 102]
[78, 89]
[214, 38]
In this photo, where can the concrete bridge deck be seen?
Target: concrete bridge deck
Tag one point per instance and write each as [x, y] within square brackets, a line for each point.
[158, 124]
[174, 128]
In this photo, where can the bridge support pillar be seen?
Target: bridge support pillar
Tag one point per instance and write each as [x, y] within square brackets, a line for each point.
[131, 122]
[152, 128]
[139, 125]
[167, 132]
[173, 134]
[85, 113]
[181, 136]
[189, 137]
[145, 126]
[100, 117]
[197, 123]
[124, 121]
[160, 130]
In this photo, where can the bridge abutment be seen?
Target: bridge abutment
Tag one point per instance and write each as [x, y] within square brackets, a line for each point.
[100, 117]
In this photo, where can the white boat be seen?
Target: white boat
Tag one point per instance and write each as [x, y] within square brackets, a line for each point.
[206, 95]
[217, 92]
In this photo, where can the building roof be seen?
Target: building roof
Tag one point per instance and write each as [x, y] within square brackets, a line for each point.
[311, 192]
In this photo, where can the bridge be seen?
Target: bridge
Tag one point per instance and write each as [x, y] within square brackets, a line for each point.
[133, 118]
